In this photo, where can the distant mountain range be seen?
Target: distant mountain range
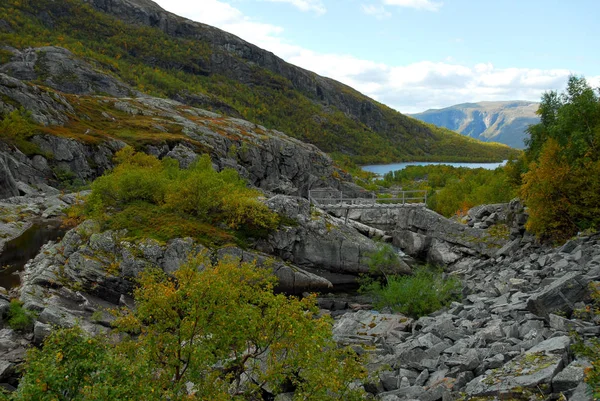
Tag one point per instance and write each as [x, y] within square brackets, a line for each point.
[503, 122]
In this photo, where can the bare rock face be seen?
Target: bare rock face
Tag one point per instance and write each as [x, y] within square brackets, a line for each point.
[422, 233]
[8, 185]
[57, 68]
[47, 108]
[89, 270]
[318, 240]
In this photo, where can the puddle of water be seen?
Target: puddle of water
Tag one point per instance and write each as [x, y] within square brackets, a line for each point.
[21, 249]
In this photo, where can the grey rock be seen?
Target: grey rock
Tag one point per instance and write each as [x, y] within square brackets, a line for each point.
[581, 393]
[59, 69]
[509, 248]
[570, 377]
[40, 332]
[524, 372]
[8, 185]
[367, 326]
[389, 381]
[422, 378]
[183, 154]
[561, 295]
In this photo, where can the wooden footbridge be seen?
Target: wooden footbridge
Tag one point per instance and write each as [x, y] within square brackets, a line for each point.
[330, 199]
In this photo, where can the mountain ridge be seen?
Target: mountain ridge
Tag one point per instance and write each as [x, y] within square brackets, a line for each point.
[151, 50]
[501, 121]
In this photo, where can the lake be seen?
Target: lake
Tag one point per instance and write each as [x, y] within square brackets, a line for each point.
[382, 169]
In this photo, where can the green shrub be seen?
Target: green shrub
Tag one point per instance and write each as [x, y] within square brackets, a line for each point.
[18, 318]
[384, 261]
[424, 292]
[153, 198]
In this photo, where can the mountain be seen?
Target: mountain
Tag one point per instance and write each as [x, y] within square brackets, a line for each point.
[160, 54]
[503, 122]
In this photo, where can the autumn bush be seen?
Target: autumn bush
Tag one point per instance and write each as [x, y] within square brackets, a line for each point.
[209, 332]
[150, 197]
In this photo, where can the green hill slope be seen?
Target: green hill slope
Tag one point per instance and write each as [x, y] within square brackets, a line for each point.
[158, 53]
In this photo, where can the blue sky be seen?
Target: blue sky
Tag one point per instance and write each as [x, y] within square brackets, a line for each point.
[418, 54]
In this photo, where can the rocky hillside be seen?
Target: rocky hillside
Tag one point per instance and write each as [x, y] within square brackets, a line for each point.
[154, 52]
[503, 122]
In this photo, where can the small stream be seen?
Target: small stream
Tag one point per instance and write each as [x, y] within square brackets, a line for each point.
[20, 250]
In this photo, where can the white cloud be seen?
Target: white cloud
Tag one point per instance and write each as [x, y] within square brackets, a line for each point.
[427, 5]
[408, 88]
[378, 12]
[305, 5]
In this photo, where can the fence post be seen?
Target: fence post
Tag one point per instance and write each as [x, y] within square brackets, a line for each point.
[403, 193]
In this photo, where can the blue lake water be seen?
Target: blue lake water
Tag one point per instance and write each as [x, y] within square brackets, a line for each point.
[382, 169]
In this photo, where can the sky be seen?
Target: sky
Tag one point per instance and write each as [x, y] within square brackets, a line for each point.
[415, 55]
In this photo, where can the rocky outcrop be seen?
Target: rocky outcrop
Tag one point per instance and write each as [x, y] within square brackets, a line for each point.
[426, 235]
[105, 266]
[46, 107]
[487, 231]
[512, 214]
[57, 68]
[8, 185]
[318, 240]
[495, 344]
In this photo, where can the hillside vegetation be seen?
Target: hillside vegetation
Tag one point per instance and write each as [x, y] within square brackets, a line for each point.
[256, 86]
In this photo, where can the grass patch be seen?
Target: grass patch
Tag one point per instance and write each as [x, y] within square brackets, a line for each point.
[16, 128]
[145, 220]
[19, 319]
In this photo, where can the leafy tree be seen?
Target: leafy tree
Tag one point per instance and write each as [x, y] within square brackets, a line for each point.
[562, 185]
[572, 119]
[206, 333]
